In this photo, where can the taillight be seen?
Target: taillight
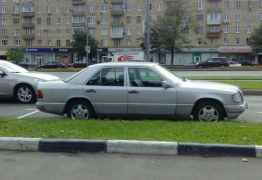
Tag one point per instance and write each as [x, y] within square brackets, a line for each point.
[39, 94]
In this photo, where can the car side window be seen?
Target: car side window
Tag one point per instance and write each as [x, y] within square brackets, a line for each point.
[108, 77]
[142, 77]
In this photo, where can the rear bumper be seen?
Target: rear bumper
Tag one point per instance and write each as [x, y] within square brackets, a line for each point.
[234, 111]
[54, 108]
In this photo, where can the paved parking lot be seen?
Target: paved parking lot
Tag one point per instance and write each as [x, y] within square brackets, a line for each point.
[14, 110]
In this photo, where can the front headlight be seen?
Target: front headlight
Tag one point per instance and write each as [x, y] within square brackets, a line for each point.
[237, 98]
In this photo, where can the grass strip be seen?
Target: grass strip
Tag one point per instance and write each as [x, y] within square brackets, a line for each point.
[246, 85]
[252, 78]
[161, 130]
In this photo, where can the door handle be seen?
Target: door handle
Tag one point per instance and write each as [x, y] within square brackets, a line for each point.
[90, 91]
[133, 92]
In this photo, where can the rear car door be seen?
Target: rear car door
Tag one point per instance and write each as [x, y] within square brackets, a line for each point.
[107, 91]
[146, 94]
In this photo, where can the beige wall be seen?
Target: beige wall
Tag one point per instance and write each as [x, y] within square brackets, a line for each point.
[61, 12]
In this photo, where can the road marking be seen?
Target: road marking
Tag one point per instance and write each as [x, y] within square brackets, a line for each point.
[28, 114]
[31, 109]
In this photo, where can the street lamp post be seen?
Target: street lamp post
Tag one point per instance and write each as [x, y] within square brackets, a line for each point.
[87, 48]
[147, 42]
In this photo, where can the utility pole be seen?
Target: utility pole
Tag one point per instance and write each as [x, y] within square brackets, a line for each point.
[147, 42]
[87, 41]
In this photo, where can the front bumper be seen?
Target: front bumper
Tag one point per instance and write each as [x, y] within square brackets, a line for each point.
[54, 108]
[234, 111]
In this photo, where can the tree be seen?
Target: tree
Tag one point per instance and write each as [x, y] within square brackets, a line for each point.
[255, 40]
[16, 55]
[171, 30]
[79, 45]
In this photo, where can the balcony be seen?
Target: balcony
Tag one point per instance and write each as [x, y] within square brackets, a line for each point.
[214, 35]
[78, 13]
[28, 25]
[78, 24]
[117, 33]
[117, 10]
[117, 2]
[28, 14]
[27, 36]
[78, 2]
[214, 18]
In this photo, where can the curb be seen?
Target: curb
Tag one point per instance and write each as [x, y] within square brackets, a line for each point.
[127, 147]
[252, 92]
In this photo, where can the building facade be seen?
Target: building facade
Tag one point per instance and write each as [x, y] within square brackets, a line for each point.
[44, 28]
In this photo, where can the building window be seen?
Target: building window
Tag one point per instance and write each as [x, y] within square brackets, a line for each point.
[237, 17]
[38, 20]
[200, 4]
[226, 4]
[4, 42]
[48, 21]
[68, 43]
[237, 28]
[58, 43]
[225, 41]
[249, 29]
[226, 18]
[128, 19]
[260, 3]
[116, 43]
[226, 28]
[39, 42]
[49, 42]
[237, 4]
[17, 42]
[16, 21]
[138, 19]
[237, 40]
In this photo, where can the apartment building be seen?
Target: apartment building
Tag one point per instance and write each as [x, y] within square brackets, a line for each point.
[42, 27]
[45, 27]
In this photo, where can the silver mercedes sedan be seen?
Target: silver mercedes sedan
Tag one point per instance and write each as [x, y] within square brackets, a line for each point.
[19, 83]
[138, 89]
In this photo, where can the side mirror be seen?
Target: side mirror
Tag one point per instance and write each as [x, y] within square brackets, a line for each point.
[2, 74]
[166, 85]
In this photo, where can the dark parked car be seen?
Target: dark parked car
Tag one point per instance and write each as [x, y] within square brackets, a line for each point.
[52, 65]
[79, 65]
[215, 62]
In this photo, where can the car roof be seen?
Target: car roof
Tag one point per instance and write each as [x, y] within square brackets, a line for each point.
[124, 64]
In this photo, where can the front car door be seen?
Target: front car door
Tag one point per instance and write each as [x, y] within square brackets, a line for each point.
[146, 95]
[5, 88]
[107, 91]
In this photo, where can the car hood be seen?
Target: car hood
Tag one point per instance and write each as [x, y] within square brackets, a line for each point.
[40, 76]
[211, 86]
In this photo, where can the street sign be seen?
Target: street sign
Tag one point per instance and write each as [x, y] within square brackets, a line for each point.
[88, 49]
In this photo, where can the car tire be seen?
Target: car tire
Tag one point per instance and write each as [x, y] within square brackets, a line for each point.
[25, 94]
[209, 112]
[80, 110]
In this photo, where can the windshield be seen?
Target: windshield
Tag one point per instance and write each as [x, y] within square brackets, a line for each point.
[11, 68]
[75, 75]
[168, 74]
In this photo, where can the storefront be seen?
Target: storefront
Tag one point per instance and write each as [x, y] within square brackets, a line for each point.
[3, 54]
[41, 56]
[186, 56]
[239, 53]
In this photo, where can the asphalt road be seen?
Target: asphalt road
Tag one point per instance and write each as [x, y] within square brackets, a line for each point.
[64, 75]
[32, 166]
[14, 110]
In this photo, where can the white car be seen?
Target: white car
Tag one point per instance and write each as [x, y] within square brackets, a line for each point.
[19, 83]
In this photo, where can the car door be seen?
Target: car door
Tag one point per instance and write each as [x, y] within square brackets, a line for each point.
[146, 95]
[107, 91]
[5, 89]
